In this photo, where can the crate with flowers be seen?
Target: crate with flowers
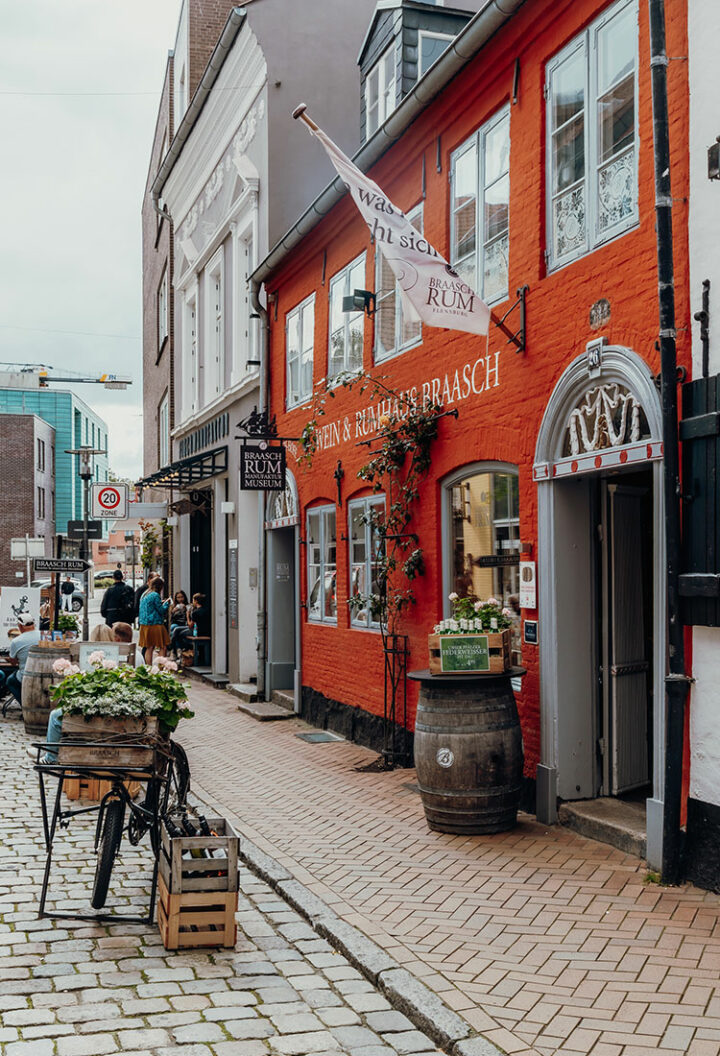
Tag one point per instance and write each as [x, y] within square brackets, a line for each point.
[474, 640]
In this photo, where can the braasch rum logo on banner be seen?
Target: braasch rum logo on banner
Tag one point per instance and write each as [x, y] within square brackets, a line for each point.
[262, 468]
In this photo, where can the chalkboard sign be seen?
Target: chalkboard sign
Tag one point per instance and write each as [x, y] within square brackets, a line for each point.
[531, 632]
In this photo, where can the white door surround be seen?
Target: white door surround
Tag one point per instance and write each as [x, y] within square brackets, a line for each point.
[567, 602]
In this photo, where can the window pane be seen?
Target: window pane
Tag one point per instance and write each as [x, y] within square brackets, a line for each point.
[497, 199]
[466, 270]
[330, 571]
[308, 325]
[616, 191]
[568, 88]
[569, 154]
[616, 43]
[569, 222]
[465, 177]
[465, 230]
[314, 563]
[497, 151]
[385, 322]
[292, 335]
[495, 269]
[616, 118]
[355, 343]
[431, 48]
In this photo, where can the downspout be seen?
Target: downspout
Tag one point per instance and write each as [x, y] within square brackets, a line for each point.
[262, 406]
[676, 680]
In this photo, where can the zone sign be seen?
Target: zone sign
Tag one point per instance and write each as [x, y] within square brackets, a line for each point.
[108, 500]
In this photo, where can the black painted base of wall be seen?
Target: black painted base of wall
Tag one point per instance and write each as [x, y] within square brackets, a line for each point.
[702, 845]
[353, 723]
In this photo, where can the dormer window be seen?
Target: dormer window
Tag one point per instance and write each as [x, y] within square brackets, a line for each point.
[432, 45]
[381, 89]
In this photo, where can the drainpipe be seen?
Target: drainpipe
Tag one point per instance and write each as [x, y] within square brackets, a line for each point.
[676, 680]
[262, 405]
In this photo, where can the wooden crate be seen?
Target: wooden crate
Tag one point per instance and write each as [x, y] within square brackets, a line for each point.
[93, 789]
[196, 918]
[217, 873]
[498, 648]
[113, 739]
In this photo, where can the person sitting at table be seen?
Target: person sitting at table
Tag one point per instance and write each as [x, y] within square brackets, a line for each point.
[120, 632]
[27, 636]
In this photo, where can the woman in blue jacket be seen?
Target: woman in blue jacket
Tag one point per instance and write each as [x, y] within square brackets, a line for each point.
[152, 621]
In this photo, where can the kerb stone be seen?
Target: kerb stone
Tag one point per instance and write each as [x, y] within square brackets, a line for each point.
[424, 1008]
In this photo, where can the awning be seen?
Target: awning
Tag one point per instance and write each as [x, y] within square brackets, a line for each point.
[187, 473]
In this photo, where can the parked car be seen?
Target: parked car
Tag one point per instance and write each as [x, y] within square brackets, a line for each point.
[78, 598]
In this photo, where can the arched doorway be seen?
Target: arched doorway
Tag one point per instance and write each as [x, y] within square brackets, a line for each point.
[282, 518]
[598, 469]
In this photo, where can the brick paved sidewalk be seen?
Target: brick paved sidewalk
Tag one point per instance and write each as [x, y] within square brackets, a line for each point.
[82, 989]
[543, 940]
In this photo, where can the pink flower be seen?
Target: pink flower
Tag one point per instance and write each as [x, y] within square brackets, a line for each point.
[154, 670]
[97, 657]
[62, 666]
[477, 606]
[506, 613]
[492, 601]
[453, 596]
[109, 665]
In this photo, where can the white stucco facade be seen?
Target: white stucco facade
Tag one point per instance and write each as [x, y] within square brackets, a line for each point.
[704, 232]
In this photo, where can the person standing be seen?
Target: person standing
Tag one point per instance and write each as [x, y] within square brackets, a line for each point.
[67, 589]
[19, 649]
[118, 603]
[152, 619]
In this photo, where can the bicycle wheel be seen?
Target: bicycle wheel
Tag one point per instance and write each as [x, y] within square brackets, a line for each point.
[108, 846]
[179, 779]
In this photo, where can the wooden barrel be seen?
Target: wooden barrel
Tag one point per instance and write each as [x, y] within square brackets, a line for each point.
[36, 682]
[468, 752]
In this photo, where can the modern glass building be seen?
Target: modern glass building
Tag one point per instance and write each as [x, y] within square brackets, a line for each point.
[75, 425]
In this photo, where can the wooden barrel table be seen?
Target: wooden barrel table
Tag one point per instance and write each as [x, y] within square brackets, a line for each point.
[36, 682]
[468, 751]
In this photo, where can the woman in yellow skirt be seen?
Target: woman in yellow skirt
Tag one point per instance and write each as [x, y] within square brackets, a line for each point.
[152, 621]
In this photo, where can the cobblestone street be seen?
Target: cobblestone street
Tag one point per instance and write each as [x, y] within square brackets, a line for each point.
[78, 989]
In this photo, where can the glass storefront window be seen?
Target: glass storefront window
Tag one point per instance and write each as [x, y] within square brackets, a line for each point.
[485, 542]
[321, 564]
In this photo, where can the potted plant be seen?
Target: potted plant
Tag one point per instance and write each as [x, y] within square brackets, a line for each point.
[68, 624]
[474, 640]
[122, 710]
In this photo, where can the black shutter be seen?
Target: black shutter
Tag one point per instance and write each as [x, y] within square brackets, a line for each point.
[700, 435]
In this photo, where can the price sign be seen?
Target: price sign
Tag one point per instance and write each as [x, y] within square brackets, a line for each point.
[109, 500]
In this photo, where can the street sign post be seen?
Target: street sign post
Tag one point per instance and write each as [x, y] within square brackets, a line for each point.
[59, 564]
[109, 500]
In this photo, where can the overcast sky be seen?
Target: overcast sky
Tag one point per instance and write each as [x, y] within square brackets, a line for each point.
[80, 82]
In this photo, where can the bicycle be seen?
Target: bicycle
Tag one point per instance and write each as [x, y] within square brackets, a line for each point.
[165, 794]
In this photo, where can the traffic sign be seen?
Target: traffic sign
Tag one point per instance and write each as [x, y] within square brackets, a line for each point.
[76, 528]
[59, 564]
[108, 500]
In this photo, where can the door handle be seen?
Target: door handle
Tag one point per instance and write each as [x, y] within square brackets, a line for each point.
[634, 667]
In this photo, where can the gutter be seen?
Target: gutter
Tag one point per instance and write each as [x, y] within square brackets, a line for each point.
[200, 97]
[464, 47]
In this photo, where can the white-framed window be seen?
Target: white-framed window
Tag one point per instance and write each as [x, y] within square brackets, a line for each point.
[40, 455]
[591, 91]
[430, 48]
[164, 431]
[480, 201]
[41, 504]
[381, 89]
[481, 537]
[322, 564]
[162, 310]
[299, 337]
[393, 331]
[190, 354]
[366, 548]
[345, 352]
[245, 343]
[213, 352]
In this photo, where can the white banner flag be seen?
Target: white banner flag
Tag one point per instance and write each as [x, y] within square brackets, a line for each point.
[435, 291]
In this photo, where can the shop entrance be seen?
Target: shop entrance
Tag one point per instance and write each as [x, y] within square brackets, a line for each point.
[201, 570]
[625, 634]
[601, 596]
[281, 610]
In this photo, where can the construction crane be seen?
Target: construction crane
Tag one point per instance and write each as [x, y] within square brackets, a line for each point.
[39, 375]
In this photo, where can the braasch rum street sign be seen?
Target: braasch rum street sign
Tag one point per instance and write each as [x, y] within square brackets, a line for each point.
[262, 468]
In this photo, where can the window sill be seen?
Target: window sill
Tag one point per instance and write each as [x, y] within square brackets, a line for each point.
[397, 352]
[367, 630]
[321, 623]
[304, 402]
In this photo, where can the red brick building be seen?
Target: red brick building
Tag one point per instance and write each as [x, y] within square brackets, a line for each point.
[28, 446]
[525, 156]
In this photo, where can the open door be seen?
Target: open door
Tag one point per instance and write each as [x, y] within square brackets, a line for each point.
[625, 661]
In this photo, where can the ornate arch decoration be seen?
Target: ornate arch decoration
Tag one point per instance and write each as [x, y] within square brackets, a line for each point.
[282, 508]
[600, 418]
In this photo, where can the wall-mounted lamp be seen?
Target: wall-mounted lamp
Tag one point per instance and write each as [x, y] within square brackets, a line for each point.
[714, 160]
[227, 507]
[360, 301]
